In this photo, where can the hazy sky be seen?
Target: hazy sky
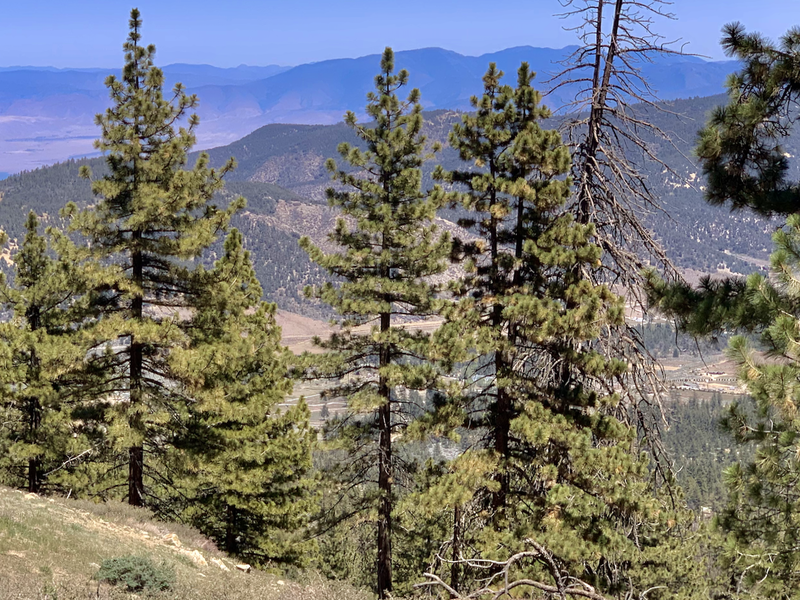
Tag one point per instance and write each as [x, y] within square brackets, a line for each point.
[84, 33]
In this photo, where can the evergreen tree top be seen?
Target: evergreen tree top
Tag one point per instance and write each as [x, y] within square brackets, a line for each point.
[740, 147]
[147, 195]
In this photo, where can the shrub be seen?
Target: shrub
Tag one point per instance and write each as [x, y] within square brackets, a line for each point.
[136, 573]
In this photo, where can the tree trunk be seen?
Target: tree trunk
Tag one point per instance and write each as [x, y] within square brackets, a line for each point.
[136, 452]
[599, 98]
[230, 531]
[34, 463]
[455, 566]
[502, 428]
[136, 475]
[385, 471]
[502, 421]
[34, 407]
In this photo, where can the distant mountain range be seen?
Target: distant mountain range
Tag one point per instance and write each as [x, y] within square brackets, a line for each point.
[47, 114]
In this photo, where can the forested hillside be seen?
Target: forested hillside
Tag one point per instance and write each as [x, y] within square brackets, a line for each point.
[281, 172]
[282, 267]
[486, 415]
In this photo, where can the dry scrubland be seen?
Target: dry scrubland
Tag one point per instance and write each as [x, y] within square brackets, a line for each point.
[50, 549]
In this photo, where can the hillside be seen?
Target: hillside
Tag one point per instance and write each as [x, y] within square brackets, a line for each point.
[47, 115]
[52, 548]
[282, 267]
[281, 172]
[696, 236]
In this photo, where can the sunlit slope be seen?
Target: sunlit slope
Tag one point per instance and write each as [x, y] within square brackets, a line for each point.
[52, 548]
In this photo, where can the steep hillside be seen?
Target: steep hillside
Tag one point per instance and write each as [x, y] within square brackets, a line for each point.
[53, 548]
[281, 172]
[697, 236]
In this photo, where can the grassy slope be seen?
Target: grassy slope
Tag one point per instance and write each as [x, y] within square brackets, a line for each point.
[51, 548]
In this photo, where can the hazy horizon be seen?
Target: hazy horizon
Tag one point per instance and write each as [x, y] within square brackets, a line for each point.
[90, 34]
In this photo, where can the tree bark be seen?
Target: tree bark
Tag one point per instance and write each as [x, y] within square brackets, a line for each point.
[34, 463]
[385, 471]
[455, 565]
[34, 407]
[502, 423]
[599, 97]
[230, 531]
[136, 451]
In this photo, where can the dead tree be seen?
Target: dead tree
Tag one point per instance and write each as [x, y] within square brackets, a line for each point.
[612, 141]
[502, 577]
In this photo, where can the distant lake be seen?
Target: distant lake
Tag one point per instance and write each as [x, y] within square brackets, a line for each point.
[3, 175]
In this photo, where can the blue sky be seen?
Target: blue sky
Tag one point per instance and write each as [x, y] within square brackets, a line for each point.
[89, 33]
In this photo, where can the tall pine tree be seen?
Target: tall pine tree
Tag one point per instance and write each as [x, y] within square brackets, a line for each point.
[555, 468]
[390, 250]
[149, 227]
[520, 166]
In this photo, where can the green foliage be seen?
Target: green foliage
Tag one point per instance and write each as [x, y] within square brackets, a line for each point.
[555, 463]
[390, 250]
[714, 308]
[40, 347]
[740, 147]
[742, 156]
[761, 516]
[136, 574]
[248, 479]
[152, 220]
[130, 352]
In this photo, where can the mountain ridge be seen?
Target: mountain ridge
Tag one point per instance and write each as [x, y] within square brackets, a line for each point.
[48, 115]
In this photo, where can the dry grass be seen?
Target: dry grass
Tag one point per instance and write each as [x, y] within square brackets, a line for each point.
[50, 549]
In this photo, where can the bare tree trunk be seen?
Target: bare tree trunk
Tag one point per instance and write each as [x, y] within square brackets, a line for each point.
[136, 452]
[455, 566]
[385, 470]
[609, 139]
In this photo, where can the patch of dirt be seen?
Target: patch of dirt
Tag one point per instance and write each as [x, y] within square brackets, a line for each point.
[297, 331]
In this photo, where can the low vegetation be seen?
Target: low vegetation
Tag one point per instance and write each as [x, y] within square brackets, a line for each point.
[68, 549]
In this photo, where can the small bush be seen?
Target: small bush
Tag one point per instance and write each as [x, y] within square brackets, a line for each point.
[136, 573]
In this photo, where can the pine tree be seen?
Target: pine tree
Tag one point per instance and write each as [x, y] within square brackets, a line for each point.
[390, 249]
[247, 480]
[740, 146]
[746, 168]
[763, 509]
[555, 468]
[40, 348]
[504, 138]
[151, 222]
